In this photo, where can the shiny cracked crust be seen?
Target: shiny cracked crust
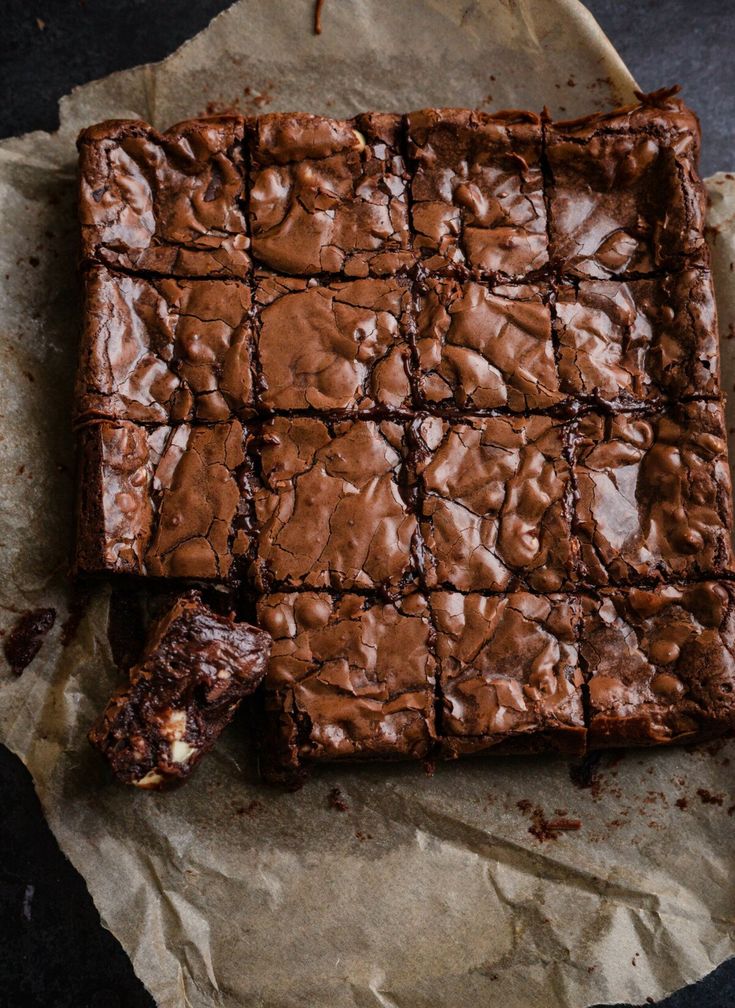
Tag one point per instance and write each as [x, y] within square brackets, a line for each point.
[348, 677]
[196, 669]
[661, 664]
[329, 505]
[164, 202]
[509, 673]
[329, 195]
[165, 350]
[653, 495]
[338, 346]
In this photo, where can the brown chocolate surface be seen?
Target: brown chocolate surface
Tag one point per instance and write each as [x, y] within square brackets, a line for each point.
[625, 196]
[348, 677]
[641, 340]
[495, 503]
[339, 346]
[329, 507]
[482, 348]
[653, 494]
[166, 350]
[477, 190]
[196, 668]
[329, 195]
[661, 664]
[509, 674]
[164, 202]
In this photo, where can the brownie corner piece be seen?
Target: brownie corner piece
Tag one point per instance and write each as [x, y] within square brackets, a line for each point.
[477, 191]
[509, 673]
[349, 677]
[660, 663]
[196, 668]
[329, 195]
[165, 203]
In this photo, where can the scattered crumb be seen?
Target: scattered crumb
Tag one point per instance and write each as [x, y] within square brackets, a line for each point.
[25, 639]
[585, 774]
[363, 836]
[336, 801]
[429, 767]
[318, 17]
[681, 803]
[708, 798]
[524, 805]
[40, 24]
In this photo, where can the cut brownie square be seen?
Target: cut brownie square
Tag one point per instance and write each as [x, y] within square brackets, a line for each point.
[330, 509]
[349, 678]
[196, 669]
[624, 195]
[495, 503]
[166, 502]
[481, 348]
[661, 664]
[624, 343]
[653, 494]
[329, 195]
[509, 675]
[338, 346]
[477, 190]
[164, 202]
[164, 350]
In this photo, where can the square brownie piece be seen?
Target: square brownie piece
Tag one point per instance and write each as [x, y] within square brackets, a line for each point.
[477, 189]
[349, 677]
[482, 348]
[164, 202]
[660, 663]
[624, 195]
[330, 505]
[163, 502]
[337, 346]
[329, 195]
[627, 343]
[495, 503]
[509, 674]
[164, 350]
[653, 494]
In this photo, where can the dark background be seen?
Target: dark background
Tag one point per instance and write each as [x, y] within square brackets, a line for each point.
[53, 951]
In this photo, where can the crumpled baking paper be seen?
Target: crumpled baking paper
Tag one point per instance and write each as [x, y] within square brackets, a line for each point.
[411, 890]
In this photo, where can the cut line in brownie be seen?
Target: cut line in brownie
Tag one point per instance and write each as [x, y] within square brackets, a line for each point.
[164, 350]
[329, 195]
[336, 346]
[165, 203]
[660, 664]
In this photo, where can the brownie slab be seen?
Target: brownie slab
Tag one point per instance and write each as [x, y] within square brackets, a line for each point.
[653, 494]
[495, 503]
[337, 346]
[477, 190]
[661, 664]
[162, 502]
[329, 504]
[481, 348]
[165, 350]
[196, 669]
[644, 340]
[349, 677]
[164, 202]
[329, 195]
[624, 195]
[509, 674]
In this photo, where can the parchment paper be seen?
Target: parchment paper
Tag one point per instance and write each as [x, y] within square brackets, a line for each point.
[426, 891]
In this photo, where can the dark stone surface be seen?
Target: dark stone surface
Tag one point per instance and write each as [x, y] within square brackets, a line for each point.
[53, 951]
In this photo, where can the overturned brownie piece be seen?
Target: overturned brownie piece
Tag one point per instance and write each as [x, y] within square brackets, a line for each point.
[661, 664]
[164, 202]
[653, 494]
[477, 189]
[196, 668]
[509, 675]
[329, 195]
[165, 350]
[336, 346]
[625, 196]
[349, 677]
[644, 340]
